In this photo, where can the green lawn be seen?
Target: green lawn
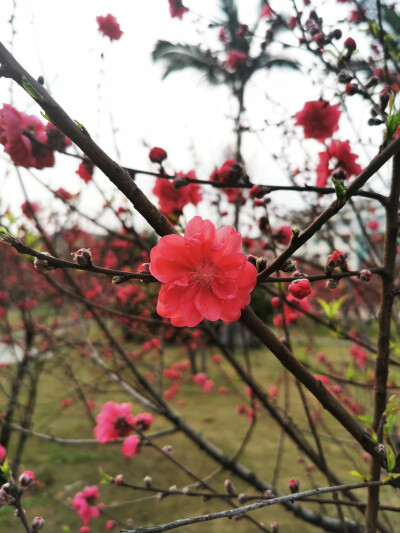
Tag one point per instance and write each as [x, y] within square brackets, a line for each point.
[64, 470]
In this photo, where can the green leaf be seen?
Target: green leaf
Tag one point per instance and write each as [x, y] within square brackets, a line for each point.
[390, 476]
[351, 373]
[30, 89]
[390, 458]
[78, 124]
[366, 418]
[331, 308]
[105, 478]
[340, 191]
[5, 469]
[46, 116]
[355, 473]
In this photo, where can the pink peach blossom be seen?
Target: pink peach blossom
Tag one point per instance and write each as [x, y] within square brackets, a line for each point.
[203, 274]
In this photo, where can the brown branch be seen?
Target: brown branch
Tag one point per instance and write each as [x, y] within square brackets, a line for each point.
[384, 321]
[251, 507]
[297, 369]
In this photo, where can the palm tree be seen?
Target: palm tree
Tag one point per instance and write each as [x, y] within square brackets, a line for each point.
[181, 56]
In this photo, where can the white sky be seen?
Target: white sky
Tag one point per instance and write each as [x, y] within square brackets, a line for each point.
[182, 114]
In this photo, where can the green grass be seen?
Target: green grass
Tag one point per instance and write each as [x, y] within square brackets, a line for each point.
[64, 470]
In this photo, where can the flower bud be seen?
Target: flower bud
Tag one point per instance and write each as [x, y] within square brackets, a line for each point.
[294, 485]
[331, 283]
[179, 183]
[261, 263]
[269, 494]
[117, 280]
[252, 259]
[242, 498]
[83, 257]
[344, 77]
[337, 34]
[274, 527]
[298, 274]
[167, 449]
[26, 479]
[365, 275]
[300, 288]
[37, 523]
[288, 266]
[384, 99]
[350, 44]
[351, 89]
[42, 265]
[118, 479]
[157, 155]
[147, 481]
[230, 489]
[4, 498]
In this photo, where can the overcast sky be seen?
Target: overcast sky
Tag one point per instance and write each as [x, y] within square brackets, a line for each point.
[116, 86]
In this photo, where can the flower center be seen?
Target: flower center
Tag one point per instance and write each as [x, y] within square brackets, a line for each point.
[204, 274]
[122, 426]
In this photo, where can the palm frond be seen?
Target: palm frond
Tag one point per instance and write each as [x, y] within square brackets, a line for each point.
[264, 61]
[181, 56]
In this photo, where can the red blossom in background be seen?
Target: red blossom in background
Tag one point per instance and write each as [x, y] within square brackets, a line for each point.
[63, 194]
[234, 59]
[30, 208]
[203, 274]
[172, 200]
[319, 119]
[283, 235]
[358, 15]
[230, 171]
[339, 153]
[177, 9]
[266, 12]
[22, 150]
[82, 503]
[85, 170]
[109, 27]
[114, 421]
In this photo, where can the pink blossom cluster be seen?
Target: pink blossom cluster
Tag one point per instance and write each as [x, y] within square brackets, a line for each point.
[16, 131]
[116, 420]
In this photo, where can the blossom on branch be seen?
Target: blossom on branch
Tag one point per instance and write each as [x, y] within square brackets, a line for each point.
[85, 170]
[109, 27]
[172, 200]
[22, 150]
[83, 504]
[319, 119]
[300, 288]
[203, 274]
[177, 9]
[266, 12]
[114, 421]
[337, 157]
[235, 59]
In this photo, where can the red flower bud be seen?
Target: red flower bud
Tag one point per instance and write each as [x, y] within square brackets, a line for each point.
[157, 155]
[294, 485]
[350, 44]
[300, 288]
[26, 479]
